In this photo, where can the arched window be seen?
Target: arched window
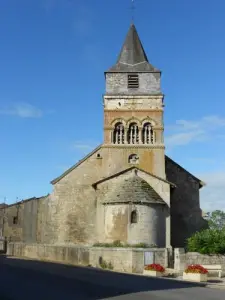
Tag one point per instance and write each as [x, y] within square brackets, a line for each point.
[118, 133]
[147, 134]
[133, 134]
[133, 159]
[133, 217]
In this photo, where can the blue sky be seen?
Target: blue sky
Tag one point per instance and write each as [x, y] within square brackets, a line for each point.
[52, 57]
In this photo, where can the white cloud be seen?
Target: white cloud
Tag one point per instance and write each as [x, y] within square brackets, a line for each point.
[184, 138]
[187, 131]
[22, 110]
[213, 194]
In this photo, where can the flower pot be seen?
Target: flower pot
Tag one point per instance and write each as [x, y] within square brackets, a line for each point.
[196, 277]
[152, 273]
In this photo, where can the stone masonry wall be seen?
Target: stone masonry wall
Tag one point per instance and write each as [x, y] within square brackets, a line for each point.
[113, 221]
[122, 259]
[25, 221]
[12, 231]
[117, 83]
[182, 259]
[73, 204]
[186, 216]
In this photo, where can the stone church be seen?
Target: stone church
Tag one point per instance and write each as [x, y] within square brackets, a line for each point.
[126, 189]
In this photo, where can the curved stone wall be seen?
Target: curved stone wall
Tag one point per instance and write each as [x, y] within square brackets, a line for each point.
[149, 229]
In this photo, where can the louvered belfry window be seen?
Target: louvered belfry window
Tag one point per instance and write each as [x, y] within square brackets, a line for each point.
[133, 81]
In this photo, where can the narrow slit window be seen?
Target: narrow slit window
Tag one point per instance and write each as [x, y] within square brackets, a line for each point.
[133, 81]
[15, 220]
[134, 217]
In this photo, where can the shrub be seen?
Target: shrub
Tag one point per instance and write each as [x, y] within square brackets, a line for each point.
[142, 245]
[155, 267]
[105, 265]
[209, 241]
[110, 266]
[119, 244]
[196, 269]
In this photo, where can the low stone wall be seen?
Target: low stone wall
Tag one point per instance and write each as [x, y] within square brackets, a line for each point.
[73, 255]
[122, 259]
[2, 245]
[182, 259]
[127, 259]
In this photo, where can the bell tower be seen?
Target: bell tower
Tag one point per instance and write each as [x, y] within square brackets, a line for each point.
[133, 108]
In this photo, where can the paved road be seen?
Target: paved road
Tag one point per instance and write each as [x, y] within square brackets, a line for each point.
[30, 280]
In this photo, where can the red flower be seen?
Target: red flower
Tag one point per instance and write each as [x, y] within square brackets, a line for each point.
[155, 267]
[196, 269]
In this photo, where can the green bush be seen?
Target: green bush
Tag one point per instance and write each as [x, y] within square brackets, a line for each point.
[105, 265]
[118, 244]
[209, 241]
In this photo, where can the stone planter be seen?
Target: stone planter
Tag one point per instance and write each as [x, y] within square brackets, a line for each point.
[196, 277]
[152, 273]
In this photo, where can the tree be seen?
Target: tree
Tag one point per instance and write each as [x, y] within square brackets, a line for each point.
[208, 241]
[216, 219]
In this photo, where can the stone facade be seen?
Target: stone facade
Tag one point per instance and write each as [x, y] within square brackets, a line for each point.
[88, 205]
[186, 215]
[114, 217]
[116, 83]
[26, 220]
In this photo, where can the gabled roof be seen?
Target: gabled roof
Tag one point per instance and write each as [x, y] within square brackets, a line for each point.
[22, 201]
[201, 183]
[54, 181]
[127, 170]
[133, 190]
[132, 57]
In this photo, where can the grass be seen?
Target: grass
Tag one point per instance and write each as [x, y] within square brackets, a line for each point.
[118, 244]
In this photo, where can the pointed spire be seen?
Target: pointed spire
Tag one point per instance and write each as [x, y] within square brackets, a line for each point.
[132, 52]
[132, 57]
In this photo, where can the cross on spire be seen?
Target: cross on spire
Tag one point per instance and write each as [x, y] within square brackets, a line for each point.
[132, 10]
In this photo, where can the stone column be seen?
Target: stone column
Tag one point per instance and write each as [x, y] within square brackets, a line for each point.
[125, 135]
[140, 135]
[179, 259]
[168, 228]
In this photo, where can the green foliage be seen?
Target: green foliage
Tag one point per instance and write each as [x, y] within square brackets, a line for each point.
[143, 245]
[216, 219]
[118, 244]
[105, 265]
[110, 266]
[209, 241]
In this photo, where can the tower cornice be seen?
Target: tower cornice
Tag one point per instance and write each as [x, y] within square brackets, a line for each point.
[135, 97]
[136, 110]
[130, 146]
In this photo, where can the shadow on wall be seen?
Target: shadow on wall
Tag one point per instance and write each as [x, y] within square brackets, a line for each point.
[58, 281]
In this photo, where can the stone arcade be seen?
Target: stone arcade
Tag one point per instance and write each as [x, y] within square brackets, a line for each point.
[126, 189]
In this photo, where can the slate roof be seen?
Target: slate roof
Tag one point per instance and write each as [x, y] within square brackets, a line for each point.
[132, 57]
[201, 183]
[136, 169]
[22, 201]
[133, 189]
